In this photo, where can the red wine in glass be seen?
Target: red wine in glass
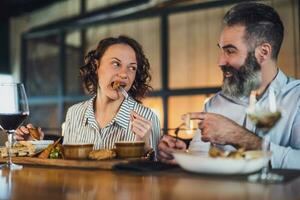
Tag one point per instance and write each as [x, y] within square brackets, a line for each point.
[13, 111]
[11, 121]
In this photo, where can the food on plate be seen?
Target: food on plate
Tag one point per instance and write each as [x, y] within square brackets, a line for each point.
[34, 133]
[21, 148]
[46, 152]
[57, 152]
[102, 154]
[216, 152]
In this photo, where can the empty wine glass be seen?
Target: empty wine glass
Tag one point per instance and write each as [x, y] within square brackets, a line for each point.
[264, 118]
[13, 111]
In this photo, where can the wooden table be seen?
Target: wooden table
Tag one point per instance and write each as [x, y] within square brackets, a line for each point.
[34, 182]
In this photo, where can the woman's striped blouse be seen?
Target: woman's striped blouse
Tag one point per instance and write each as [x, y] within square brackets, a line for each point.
[81, 125]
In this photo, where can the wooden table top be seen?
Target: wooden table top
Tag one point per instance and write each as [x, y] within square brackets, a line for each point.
[33, 182]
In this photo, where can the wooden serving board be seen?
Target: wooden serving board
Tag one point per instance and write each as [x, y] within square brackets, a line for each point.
[84, 164]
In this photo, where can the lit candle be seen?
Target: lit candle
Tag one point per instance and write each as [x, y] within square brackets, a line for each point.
[252, 101]
[272, 100]
[188, 121]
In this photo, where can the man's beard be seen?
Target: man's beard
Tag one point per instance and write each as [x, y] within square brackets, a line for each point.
[243, 80]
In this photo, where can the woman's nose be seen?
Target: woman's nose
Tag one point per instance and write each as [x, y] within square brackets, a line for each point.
[123, 75]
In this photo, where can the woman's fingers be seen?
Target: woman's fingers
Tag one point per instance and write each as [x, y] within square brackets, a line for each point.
[41, 133]
[22, 133]
[17, 137]
[140, 126]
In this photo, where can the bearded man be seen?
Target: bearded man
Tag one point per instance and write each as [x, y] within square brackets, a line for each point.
[249, 45]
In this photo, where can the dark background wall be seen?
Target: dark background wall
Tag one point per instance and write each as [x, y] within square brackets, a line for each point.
[4, 45]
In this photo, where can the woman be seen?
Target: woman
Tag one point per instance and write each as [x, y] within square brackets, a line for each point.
[108, 117]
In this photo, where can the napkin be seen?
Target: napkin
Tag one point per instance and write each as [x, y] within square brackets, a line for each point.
[143, 166]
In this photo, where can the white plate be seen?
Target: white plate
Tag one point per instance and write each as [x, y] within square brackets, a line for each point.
[41, 144]
[196, 162]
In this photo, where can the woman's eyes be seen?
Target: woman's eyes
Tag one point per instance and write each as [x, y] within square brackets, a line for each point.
[133, 68]
[116, 64]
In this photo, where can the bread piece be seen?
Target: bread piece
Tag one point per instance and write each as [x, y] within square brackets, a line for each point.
[102, 154]
[34, 133]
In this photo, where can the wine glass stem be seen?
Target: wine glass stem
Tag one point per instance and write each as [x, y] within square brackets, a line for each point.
[10, 143]
[265, 148]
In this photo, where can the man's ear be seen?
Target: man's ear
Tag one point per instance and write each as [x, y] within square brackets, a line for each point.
[263, 52]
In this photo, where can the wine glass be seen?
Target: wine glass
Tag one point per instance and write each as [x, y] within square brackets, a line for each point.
[192, 134]
[13, 111]
[264, 118]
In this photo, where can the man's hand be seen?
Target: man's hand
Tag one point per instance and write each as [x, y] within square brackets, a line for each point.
[167, 145]
[218, 129]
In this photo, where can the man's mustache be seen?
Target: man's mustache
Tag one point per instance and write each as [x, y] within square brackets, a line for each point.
[229, 68]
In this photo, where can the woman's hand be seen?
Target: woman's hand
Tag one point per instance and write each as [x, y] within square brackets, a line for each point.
[167, 145]
[141, 127]
[22, 133]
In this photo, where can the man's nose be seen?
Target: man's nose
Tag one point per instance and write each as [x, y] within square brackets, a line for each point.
[222, 60]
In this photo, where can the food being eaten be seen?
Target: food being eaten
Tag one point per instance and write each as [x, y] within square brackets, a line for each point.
[102, 154]
[116, 85]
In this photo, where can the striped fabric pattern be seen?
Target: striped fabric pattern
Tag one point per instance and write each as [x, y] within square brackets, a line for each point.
[81, 125]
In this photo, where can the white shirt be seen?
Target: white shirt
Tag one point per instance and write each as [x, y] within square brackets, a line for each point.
[285, 135]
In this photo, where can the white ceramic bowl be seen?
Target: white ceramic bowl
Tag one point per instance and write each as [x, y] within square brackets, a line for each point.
[41, 144]
[199, 163]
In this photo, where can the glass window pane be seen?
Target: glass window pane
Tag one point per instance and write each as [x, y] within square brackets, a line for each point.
[97, 4]
[66, 107]
[45, 116]
[155, 103]
[73, 62]
[180, 105]
[145, 31]
[5, 78]
[42, 67]
[193, 49]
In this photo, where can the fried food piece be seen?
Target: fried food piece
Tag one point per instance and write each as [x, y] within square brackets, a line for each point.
[34, 133]
[116, 85]
[102, 154]
[20, 148]
[46, 152]
[237, 154]
[216, 152]
[3, 152]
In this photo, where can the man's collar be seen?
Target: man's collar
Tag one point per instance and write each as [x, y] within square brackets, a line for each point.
[279, 81]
